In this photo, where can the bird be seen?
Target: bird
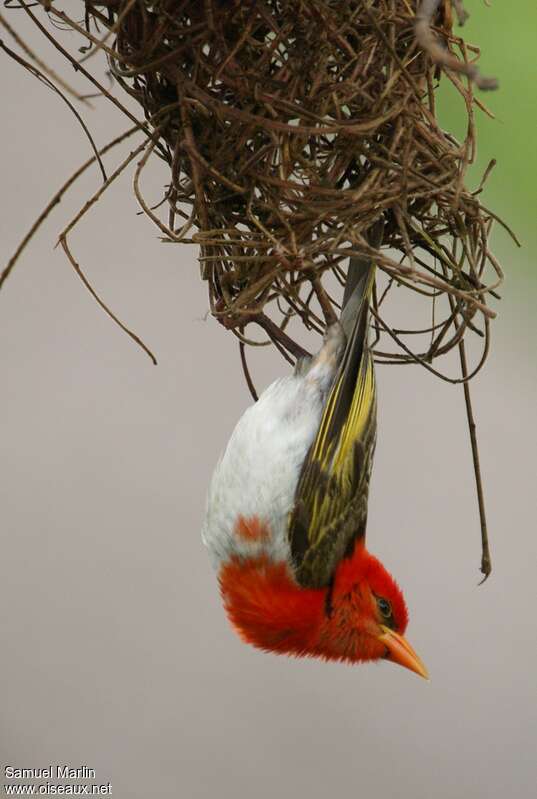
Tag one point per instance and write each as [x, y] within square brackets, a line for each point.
[286, 508]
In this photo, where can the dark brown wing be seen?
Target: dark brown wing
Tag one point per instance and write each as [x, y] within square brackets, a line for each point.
[330, 509]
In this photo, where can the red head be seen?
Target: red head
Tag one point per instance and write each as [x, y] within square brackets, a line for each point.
[361, 617]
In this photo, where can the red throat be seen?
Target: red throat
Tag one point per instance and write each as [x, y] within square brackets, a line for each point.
[267, 608]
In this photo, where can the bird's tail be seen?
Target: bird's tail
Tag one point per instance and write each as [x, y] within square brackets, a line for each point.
[359, 285]
[356, 362]
[360, 279]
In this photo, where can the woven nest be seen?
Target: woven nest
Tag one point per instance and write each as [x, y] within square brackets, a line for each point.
[298, 134]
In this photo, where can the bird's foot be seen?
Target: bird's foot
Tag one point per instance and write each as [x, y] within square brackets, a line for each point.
[303, 365]
[334, 343]
[322, 367]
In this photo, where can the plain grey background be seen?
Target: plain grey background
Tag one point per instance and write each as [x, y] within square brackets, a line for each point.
[115, 649]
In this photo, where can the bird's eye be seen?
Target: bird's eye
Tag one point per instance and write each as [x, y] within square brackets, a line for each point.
[384, 607]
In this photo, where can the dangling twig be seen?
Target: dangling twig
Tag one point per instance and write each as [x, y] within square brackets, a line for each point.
[246, 371]
[439, 54]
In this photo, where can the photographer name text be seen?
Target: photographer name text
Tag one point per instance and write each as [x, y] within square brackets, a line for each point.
[58, 772]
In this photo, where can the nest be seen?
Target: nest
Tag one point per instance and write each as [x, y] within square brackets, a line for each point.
[296, 130]
[299, 134]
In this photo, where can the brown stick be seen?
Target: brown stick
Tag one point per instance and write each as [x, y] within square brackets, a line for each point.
[439, 54]
[278, 335]
[486, 564]
[246, 371]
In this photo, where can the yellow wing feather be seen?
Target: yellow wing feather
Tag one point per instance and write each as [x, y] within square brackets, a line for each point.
[330, 509]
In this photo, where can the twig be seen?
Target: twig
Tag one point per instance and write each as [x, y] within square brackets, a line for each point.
[486, 564]
[104, 306]
[439, 54]
[55, 199]
[277, 335]
[42, 66]
[33, 70]
[246, 372]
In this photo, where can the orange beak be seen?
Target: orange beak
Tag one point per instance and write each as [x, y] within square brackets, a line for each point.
[399, 651]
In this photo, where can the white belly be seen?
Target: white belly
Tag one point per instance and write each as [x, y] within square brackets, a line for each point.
[258, 473]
